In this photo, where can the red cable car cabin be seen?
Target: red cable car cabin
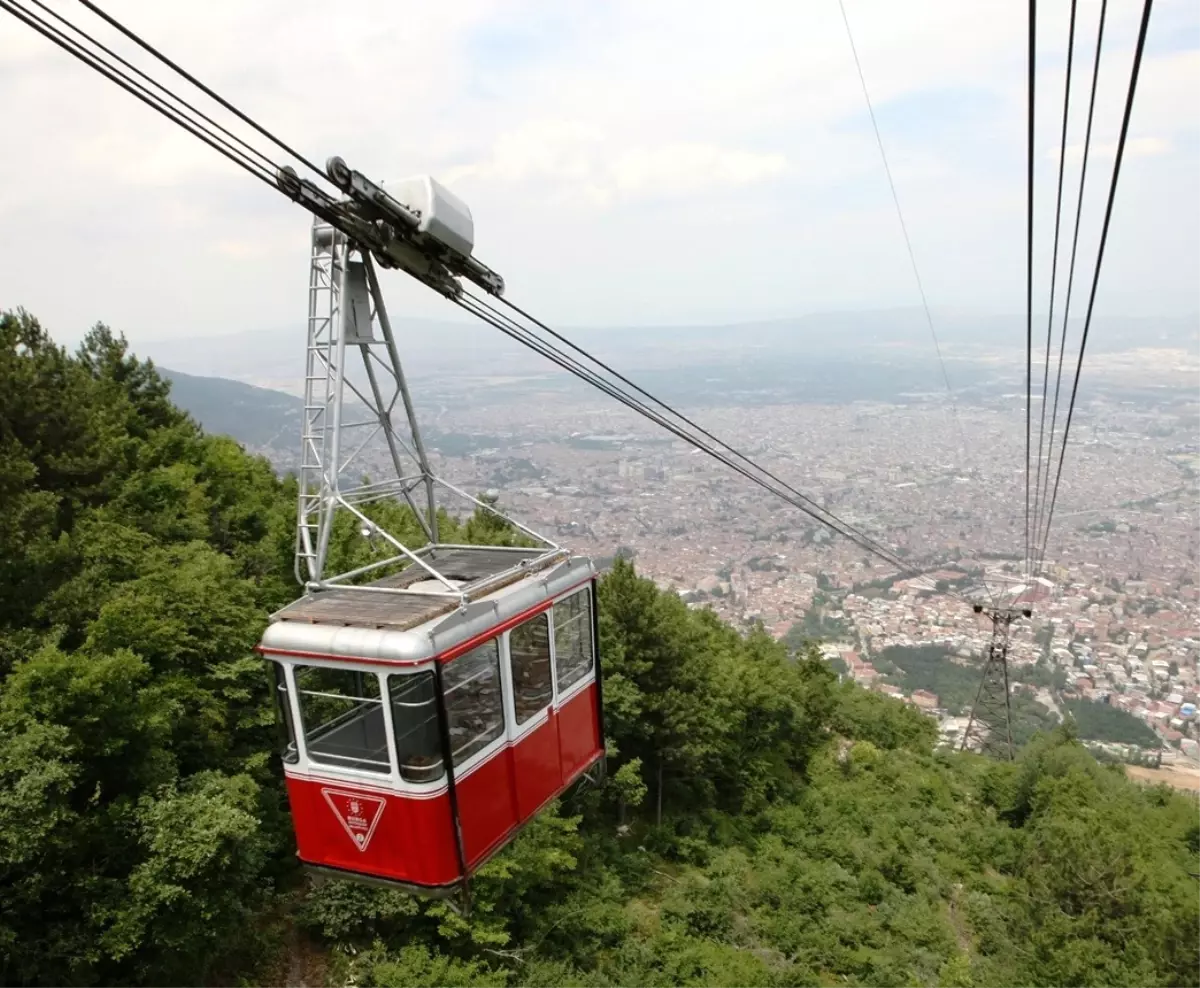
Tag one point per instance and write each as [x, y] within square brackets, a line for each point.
[419, 742]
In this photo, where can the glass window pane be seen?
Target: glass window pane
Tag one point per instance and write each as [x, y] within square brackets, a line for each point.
[573, 638]
[414, 719]
[283, 716]
[343, 717]
[529, 647]
[474, 706]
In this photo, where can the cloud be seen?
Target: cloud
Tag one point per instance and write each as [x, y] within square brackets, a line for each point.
[687, 168]
[625, 162]
[583, 161]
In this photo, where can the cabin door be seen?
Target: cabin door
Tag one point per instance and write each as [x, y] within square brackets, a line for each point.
[536, 764]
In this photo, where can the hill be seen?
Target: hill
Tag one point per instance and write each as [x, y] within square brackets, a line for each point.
[260, 418]
[761, 824]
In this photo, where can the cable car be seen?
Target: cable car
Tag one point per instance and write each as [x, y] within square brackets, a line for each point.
[420, 734]
[432, 712]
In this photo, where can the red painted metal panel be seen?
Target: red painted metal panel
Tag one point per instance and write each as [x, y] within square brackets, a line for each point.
[487, 806]
[373, 832]
[579, 731]
[537, 768]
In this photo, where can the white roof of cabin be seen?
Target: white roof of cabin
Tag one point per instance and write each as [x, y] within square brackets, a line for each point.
[434, 636]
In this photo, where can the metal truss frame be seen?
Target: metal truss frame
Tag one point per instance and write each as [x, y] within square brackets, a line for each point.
[989, 729]
[346, 312]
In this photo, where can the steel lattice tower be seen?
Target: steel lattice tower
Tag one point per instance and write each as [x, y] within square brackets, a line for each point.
[990, 724]
[346, 409]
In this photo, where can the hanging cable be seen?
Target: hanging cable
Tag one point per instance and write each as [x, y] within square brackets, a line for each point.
[912, 257]
[510, 328]
[50, 32]
[1062, 160]
[1062, 343]
[140, 42]
[837, 524]
[1029, 276]
[514, 330]
[662, 404]
[1108, 210]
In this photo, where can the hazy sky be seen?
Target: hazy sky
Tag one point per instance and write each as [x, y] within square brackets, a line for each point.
[626, 162]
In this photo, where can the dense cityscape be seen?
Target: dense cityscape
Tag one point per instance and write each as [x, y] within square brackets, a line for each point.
[1116, 608]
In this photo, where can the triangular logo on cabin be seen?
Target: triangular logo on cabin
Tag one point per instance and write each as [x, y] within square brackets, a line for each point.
[358, 814]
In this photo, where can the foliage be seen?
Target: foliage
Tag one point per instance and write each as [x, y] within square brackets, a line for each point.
[762, 824]
[932, 668]
[1101, 722]
[816, 625]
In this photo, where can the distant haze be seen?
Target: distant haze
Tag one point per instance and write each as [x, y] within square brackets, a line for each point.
[274, 358]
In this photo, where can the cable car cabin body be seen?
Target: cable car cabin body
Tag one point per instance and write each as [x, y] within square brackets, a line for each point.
[420, 735]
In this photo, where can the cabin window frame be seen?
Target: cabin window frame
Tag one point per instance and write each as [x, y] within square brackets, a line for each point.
[393, 781]
[560, 695]
[542, 714]
[478, 757]
[321, 764]
[441, 780]
[290, 751]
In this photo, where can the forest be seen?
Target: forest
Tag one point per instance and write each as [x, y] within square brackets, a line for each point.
[931, 667]
[762, 823]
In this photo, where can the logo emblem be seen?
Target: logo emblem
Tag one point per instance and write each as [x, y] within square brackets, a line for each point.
[358, 814]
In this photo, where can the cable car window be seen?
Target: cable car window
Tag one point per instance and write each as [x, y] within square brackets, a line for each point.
[414, 719]
[283, 716]
[573, 638]
[529, 648]
[342, 715]
[474, 704]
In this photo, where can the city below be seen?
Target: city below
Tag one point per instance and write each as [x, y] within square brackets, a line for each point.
[940, 482]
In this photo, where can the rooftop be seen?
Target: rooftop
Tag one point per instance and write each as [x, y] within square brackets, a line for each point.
[473, 570]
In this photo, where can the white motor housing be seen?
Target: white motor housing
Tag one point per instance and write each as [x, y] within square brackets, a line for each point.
[444, 216]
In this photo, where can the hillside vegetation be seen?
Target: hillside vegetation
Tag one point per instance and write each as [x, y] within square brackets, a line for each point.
[762, 824]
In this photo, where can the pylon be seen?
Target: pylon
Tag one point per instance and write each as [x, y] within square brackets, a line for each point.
[990, 724]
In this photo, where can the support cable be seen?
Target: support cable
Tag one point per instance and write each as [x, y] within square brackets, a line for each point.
[1108, 210]
[1062, 343]
[670, 410]
[912, 257]
[140, 42]
[1062, 161]
[1029, 275]
[512, 329]
[661, 419]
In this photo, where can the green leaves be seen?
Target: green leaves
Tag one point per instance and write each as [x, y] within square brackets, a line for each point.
[728, 720]
[417, 966]
[198, 881]
[132, 556]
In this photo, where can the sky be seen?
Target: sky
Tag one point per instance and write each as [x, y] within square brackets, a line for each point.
[626, 162]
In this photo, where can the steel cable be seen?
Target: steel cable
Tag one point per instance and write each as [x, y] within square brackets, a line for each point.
[1062, 161]
[1108, 210]
[132, 86]
[1062, 344]
[142, 43]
